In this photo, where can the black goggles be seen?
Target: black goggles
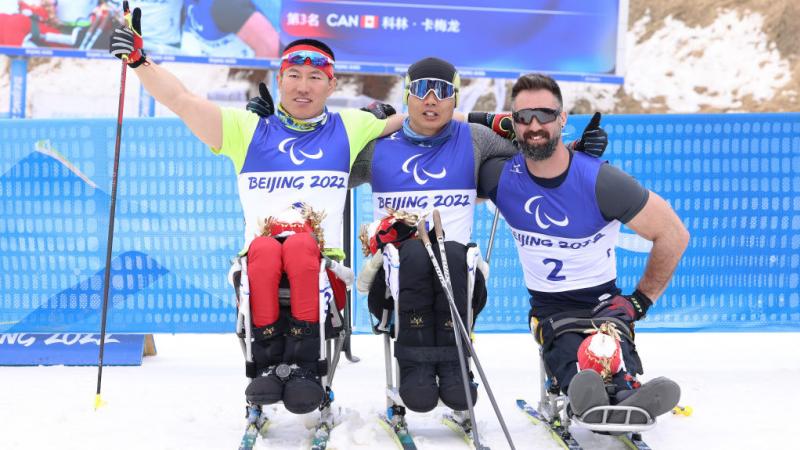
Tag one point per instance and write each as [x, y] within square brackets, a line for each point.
[543, 115]
[441, 89]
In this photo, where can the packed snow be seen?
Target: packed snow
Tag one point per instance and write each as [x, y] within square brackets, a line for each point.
[741, 386]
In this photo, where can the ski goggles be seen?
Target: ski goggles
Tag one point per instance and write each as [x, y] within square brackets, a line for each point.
[543, 115]
[307, 57]
[441, 89]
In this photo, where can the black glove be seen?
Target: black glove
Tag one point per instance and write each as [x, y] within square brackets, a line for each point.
[126, 42]
[380, 110]
[629, 308]
[594, 139]
[263, 104]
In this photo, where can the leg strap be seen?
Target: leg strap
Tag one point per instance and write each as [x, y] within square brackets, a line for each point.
[548, 329]
[425, 354]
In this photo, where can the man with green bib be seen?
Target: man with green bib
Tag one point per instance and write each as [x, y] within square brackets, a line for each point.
[299, 159]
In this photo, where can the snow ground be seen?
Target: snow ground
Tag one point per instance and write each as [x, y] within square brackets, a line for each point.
[742, 387]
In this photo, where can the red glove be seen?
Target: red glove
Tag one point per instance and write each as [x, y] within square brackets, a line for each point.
[127, 42]
[630, 307]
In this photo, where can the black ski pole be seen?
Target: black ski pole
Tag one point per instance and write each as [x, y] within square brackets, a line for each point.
[348, 261]
[97, 400]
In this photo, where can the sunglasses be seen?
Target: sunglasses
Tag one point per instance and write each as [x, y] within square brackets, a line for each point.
[543, 115]
[441, 89]
[302, 57]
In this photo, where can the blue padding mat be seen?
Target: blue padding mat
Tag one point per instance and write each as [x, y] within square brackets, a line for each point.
[70, 349]
[734, 179]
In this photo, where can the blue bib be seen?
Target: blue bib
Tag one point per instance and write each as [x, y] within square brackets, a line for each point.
[277, 148]
[284, 166]
[569, 210]
[563, 241]
[416, 178]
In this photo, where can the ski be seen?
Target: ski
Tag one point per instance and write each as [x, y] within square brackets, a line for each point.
[257, 424]
[634, 441]
[463, 428]
[398, 429]
[322, 433]
[559, 433]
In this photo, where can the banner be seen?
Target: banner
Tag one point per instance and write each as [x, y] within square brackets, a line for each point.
[54, 349]
[569, 39]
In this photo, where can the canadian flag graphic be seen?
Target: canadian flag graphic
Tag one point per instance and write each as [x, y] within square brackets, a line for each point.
[369, 21]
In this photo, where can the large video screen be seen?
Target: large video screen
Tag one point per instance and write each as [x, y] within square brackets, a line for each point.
[570, 39]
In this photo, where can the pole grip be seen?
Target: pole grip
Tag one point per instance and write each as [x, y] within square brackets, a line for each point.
[422, 231]
[437, 224]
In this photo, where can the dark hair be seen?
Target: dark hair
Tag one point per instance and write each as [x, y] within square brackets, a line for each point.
[313, 43]
[537, 82]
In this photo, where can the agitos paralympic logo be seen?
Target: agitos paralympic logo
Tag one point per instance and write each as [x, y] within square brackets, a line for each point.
[546, 221]
[415, 171]
[296, 159]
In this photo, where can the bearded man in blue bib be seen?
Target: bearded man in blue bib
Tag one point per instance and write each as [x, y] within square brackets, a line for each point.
[565, 210]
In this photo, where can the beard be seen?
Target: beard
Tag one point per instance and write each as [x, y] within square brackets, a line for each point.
[538, 152]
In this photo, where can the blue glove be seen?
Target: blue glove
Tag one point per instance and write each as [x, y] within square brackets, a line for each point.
[629, 308]
[594, 139]
[263, 104]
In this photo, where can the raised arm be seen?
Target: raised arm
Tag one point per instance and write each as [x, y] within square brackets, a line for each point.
[200, 115]
[203, 117]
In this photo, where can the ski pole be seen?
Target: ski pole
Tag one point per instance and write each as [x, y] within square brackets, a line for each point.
[444, 279]
[437, 224]
[97, 400]
[490, 245]
[348, 305]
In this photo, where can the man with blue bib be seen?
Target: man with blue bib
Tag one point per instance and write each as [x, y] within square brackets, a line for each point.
[300, 159]
[430, 164]
[564, 210]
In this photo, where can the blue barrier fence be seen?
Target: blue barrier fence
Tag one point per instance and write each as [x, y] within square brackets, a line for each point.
[734, 179]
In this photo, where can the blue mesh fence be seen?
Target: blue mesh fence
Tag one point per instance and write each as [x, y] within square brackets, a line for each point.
[734, 179]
